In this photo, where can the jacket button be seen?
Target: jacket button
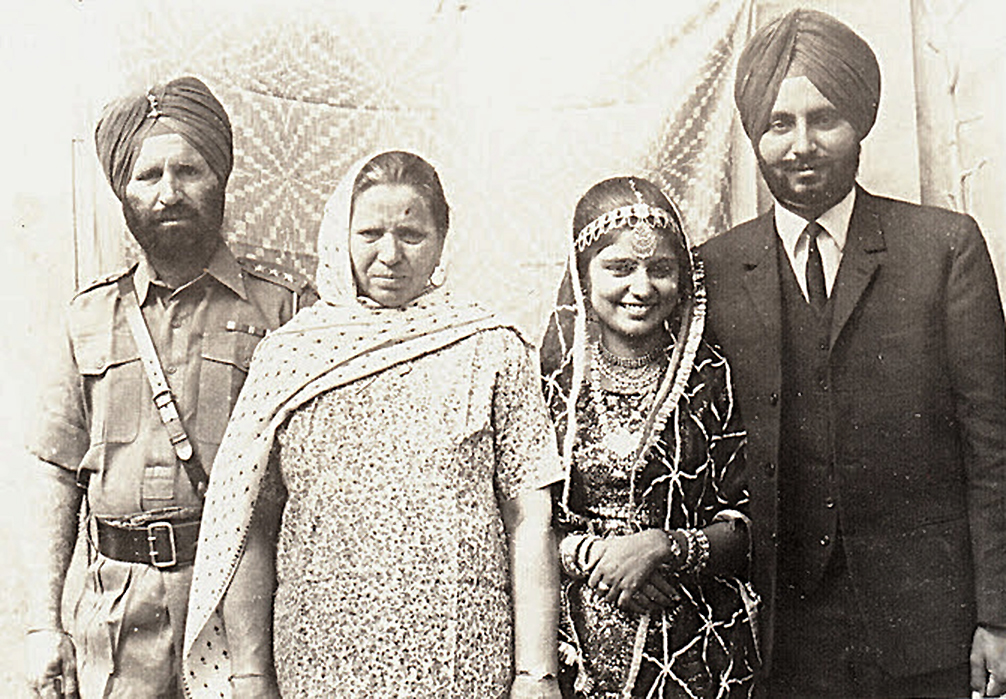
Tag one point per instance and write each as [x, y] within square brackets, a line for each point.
[829, 502]
[825, 540]
[769, 468]
[773, 399]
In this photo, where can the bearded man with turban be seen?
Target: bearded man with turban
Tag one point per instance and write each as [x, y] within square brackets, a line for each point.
[144, 380]
[868, 349]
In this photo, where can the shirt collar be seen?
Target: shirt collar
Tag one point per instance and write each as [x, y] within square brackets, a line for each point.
[222, 266]
[835, 220]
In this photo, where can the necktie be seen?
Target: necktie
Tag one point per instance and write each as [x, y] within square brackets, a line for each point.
[817, 292]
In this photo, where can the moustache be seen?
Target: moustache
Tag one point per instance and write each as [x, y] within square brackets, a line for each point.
[798, 164]
[177, 212]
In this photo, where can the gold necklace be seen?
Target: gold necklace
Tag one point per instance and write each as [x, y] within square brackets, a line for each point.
[618, 439]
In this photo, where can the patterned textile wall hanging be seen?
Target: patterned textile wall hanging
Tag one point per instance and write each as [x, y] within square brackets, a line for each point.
[522, 110]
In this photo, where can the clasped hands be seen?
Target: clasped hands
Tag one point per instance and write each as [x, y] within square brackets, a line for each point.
[625, 570]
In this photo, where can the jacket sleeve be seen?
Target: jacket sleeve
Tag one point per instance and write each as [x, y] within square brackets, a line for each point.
[976, 348]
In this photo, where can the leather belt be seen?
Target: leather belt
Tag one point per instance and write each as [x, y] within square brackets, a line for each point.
[162, 544]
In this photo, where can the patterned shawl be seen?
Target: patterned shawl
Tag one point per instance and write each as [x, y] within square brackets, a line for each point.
[341, 339]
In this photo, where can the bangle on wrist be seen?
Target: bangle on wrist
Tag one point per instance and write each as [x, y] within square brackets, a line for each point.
[40, 629]
[569, 549]
[583, 554]
[702, 556]
[697, 555]
[245, 675]
[690, 549]
[676, 553]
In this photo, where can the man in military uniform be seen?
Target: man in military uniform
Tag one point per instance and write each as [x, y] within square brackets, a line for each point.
[177, 330]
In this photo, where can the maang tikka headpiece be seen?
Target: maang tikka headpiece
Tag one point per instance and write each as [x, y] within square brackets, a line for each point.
[644, 236]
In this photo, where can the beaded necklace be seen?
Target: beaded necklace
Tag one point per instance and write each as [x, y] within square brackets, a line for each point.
[639, 377]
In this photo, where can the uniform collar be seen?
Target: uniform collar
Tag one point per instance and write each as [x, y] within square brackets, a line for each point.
[835, 220]
[222, 266]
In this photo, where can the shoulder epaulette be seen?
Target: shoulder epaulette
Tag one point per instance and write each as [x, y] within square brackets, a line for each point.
[105, 280]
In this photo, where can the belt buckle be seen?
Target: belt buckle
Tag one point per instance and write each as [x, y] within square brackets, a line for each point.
[153, 538]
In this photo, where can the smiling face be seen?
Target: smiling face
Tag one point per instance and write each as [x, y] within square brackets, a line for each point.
[394, 244]
[173, 202]
[809, 154]
[633, 296]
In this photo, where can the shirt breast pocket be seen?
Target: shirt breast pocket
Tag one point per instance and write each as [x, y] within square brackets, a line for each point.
[222, 373]
[113, 382]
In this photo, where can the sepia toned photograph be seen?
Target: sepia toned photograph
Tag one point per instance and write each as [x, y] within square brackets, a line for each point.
[470, 348]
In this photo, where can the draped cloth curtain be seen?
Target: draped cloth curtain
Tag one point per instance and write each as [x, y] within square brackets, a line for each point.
[525, 105]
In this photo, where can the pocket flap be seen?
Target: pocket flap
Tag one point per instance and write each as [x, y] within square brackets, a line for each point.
[96, 353]
[232, 348]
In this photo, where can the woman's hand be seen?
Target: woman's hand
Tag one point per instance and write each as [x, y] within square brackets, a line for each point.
[624, 569]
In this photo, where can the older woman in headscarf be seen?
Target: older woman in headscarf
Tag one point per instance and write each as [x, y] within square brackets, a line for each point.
[379, 518]
[654, 539]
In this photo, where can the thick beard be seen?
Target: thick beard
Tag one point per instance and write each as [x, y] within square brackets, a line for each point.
[194, 243]
[812, 205]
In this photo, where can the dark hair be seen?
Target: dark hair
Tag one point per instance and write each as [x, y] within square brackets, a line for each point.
[401, 167]
[615, 192]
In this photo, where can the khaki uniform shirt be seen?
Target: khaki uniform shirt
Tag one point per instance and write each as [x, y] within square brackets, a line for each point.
[98, 413]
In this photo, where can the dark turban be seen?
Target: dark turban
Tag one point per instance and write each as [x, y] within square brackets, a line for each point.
[809, 43]
[184, 106]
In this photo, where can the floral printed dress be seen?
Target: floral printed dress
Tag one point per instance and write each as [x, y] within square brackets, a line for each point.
[392, 566]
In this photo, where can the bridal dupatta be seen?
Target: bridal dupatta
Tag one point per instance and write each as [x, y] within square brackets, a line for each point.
[689, 435]
[341, 339]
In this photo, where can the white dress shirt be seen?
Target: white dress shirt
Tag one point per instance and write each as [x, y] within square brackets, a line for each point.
[831, 242]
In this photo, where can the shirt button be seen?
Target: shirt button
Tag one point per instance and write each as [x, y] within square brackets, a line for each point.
[825, 540]
[171, 370]
[176, 324]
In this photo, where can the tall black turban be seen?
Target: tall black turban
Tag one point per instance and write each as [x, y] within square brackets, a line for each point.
[809, 43]
[184, 106]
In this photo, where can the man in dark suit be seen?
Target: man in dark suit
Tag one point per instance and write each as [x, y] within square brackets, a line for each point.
[868, 349]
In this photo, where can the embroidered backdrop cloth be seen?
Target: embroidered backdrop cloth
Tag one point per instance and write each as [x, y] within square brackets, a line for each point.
[525, 105]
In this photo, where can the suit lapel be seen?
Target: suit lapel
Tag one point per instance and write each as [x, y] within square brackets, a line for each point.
[864, 252]
[761, 278]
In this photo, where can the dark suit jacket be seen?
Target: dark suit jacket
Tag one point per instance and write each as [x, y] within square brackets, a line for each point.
[916, 376]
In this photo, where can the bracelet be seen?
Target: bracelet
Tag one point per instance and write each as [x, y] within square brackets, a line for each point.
[675, 550]
[692, 551]
[702, 558]
[245, 675]
[532, 677]
[583, 554]
[568, 550]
